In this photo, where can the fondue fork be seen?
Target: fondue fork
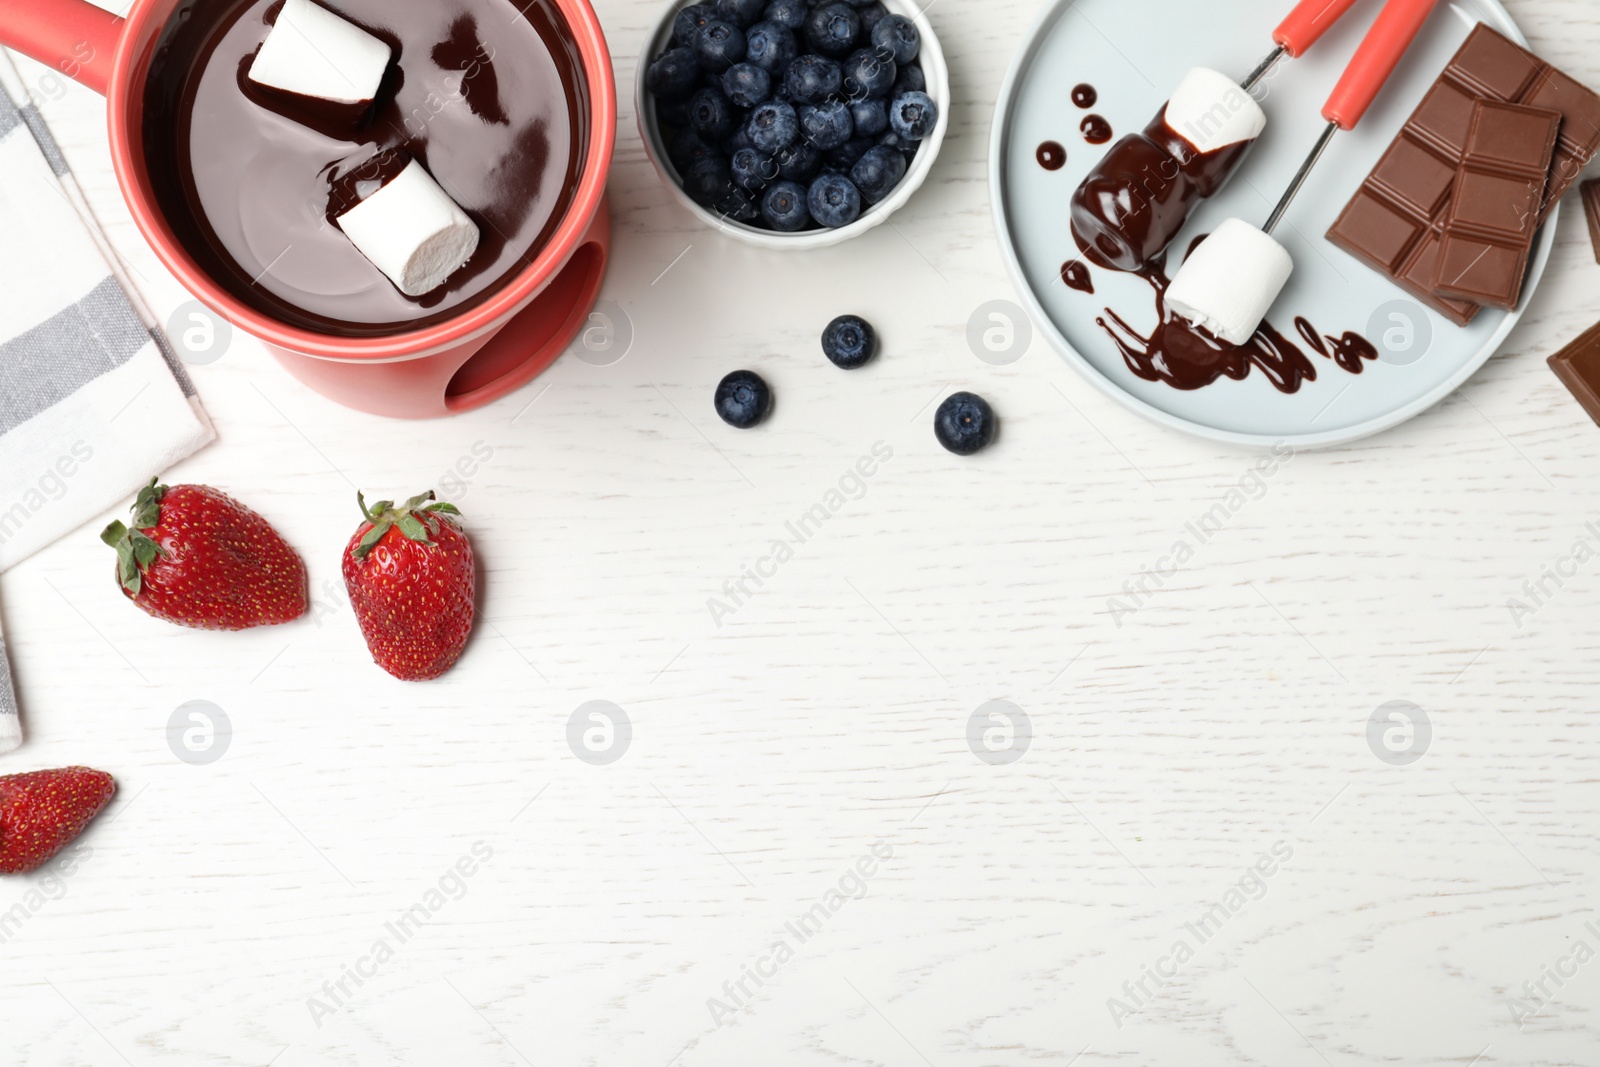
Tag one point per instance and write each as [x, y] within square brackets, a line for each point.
[1234, 277]
[1294, 37]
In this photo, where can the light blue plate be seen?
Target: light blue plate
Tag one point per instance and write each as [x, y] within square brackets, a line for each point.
[1134, 54]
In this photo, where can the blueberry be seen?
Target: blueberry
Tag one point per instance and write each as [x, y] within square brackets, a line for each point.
[868, 76]
[899, 144]
[689, 148]
[834, 201]
[784, 207]
[813, 79]
[674, 72]
[752, 169]
[773, 126]
[899, 35]
[799, 163]
[871, 117]
[736, 203]
[708, 180]
[911, 80]
[740, 12]
[719, 45]
[746, 84]
[877, 172]
[850, 342]
[711, 114]
[871, 15]
[833, 29]
[675, 112]
[743, 399]
[739, 138]
[689, 21]
[913, 115]
[825, 126]
[965, 423]
[771, 47]
[790, 14]
[845, 156]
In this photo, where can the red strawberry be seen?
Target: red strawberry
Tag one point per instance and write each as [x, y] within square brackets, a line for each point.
[409, 573]
[198, 557]
[42, 811]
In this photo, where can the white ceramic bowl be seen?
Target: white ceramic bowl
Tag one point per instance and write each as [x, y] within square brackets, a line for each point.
[931, 59]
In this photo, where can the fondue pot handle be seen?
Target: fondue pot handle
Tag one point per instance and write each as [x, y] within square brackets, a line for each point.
[73, 36]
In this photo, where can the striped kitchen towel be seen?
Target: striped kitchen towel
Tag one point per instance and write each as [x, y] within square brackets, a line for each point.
[93, 402]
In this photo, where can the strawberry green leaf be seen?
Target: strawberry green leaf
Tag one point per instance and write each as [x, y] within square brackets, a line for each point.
[128, 569]
[413, 529]
[372, 537]
[147, 505]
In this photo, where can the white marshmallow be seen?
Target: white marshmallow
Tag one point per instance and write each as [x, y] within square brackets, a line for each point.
[412, 231]
[1231, 281]
[313, 52]
[1211, 111]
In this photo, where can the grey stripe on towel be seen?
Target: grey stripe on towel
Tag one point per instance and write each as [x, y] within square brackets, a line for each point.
[8, 695]
[47, 140]
[10, 119]
[174, 363]
[67, 351]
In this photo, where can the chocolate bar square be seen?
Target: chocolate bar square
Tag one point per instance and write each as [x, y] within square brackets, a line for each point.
[1488, 231]
[1578, 367]
[1405, 187]
[1591, 211]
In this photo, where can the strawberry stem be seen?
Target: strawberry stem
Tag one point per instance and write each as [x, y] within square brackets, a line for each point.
[136, 550]
[417, 519]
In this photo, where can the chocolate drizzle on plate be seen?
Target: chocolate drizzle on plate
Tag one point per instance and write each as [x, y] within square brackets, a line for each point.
[1085, 95]
[1077, 276]
[1187, 357]
[1096, 130]
[1347, 350]
[1052, 155]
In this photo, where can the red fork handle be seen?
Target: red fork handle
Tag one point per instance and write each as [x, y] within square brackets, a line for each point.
[1386, 44]
[73, 36]
[1307, 23]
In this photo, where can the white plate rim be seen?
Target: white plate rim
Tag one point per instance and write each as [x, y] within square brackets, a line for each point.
[998, 134]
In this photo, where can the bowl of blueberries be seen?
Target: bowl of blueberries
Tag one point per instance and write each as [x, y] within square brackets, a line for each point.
[793, 124]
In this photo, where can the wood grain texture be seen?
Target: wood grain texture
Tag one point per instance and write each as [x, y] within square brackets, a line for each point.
[1171, 748]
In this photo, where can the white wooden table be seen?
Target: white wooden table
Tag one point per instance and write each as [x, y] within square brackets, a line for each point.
[1012, 909]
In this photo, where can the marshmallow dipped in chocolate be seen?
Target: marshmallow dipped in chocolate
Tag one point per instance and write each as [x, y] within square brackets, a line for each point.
[1135, 202]
[483, 112]
[326, 71]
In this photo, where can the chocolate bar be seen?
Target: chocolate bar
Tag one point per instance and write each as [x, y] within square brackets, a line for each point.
[1395, 221]
[1591, 208]
[1488, 231]
[1578, 367]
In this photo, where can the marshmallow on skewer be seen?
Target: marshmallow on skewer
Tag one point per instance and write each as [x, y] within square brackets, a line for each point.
[1211, 111]
[411, 230]
[312, 52]
[1227, 286]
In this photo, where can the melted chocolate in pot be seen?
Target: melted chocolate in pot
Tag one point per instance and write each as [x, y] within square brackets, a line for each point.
[494, 105]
